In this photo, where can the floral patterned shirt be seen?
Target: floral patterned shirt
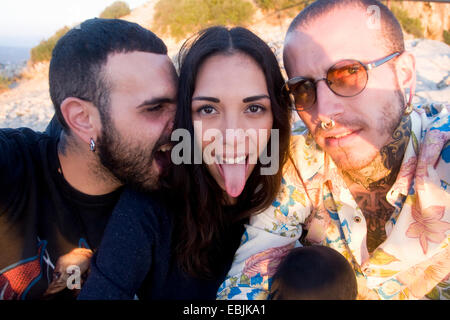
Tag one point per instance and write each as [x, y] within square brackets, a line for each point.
[414, 260]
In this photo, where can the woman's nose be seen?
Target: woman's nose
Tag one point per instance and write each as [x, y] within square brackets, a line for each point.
[234, 131]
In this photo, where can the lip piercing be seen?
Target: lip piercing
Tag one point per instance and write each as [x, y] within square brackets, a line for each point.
[328, 125]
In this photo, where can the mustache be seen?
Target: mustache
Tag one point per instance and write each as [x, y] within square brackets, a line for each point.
[350, 124]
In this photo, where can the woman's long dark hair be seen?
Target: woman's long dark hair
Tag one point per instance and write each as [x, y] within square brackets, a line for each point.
[202, 218]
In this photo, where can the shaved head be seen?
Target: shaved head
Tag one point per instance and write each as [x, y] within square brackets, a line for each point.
[390, 30]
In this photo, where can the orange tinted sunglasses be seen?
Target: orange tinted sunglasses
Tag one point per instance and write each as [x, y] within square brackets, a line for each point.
[346, 78]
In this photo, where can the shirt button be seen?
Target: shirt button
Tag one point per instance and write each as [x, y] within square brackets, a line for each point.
[357, 219]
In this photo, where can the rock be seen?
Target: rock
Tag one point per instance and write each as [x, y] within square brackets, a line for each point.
[444, 82]
[432, 66]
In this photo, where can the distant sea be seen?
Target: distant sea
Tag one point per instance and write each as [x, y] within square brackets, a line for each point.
[14, 55]
[12, 62]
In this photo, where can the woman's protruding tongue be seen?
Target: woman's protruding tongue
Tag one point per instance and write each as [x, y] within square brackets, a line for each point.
[234, 175]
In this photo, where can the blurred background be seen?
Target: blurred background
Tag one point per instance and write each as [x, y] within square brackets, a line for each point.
[29, 30]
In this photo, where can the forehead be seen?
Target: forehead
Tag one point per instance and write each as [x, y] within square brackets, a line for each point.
[339, 34]
[237, 74]
[141, 75]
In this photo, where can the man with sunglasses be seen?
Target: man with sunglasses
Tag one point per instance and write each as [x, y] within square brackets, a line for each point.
[373, 171]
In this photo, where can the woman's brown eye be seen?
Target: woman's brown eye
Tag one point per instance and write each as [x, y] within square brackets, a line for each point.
[206, 110]
[255, 108]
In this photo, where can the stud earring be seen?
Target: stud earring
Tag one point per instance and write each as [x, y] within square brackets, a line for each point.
[92, 145]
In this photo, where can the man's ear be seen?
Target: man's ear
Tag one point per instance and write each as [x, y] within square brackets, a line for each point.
[82, 117]
[406, 71]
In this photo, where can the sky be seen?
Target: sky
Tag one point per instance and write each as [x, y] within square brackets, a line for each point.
[24, 23]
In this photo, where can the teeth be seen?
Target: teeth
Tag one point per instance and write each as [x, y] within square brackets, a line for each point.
[341, 135]
[166, 147]
[232, 160]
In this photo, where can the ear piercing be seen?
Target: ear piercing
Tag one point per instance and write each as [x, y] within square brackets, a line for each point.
[92, 145]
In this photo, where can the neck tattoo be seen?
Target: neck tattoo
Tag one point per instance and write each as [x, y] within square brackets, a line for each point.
[382, 171]
[370, 184]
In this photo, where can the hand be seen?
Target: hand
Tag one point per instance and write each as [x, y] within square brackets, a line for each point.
[77, 257]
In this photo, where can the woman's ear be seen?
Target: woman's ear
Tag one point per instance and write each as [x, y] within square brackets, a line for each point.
[406, 71]
[82, 117]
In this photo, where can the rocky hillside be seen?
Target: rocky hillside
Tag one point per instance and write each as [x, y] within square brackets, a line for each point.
[28, 104]
[268, 27]
[435, 17]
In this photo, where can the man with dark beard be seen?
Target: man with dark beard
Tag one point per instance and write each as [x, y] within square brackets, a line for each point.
[372, 178]
[114, 89]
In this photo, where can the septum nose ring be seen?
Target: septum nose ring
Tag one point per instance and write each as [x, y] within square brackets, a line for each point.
[327, 125]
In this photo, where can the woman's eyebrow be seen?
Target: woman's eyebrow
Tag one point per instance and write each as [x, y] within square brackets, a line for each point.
[211, 99]
[254, 98]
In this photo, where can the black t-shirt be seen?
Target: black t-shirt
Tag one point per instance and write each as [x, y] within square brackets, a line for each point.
[135, 255]
[41, 216]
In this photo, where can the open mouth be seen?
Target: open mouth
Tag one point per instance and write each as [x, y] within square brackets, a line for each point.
[234, 171]
[162, 156]
[341, 137]
[231, 160]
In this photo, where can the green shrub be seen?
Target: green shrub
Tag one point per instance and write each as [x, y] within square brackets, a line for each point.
[446, 37]
[288, 8]
[43, 51]
[4, 83]
[266, 5]
[116, 10]
[409, 25]
[181, 18]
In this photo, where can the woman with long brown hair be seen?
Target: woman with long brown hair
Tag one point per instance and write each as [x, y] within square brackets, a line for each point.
[231, 107]
[228, 66]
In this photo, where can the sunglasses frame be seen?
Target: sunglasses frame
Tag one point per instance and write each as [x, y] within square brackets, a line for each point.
[367, 67]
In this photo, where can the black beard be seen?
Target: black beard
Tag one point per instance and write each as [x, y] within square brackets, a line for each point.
[128, 163]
